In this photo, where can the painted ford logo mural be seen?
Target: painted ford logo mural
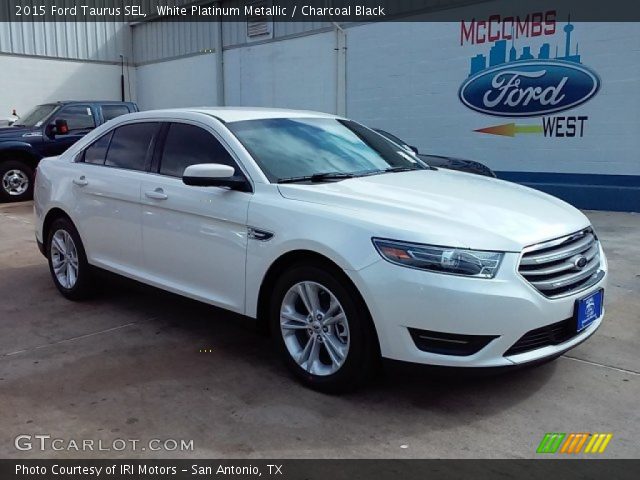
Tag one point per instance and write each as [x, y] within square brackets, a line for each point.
[529, 88]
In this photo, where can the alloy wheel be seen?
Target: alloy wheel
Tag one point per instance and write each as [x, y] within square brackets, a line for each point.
[315, 328]
[64, 259]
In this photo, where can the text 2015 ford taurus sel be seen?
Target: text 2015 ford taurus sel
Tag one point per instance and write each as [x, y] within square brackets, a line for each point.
[348, 246]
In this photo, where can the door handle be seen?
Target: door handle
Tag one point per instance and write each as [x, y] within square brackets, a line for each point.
[157, 194]
[81, 182]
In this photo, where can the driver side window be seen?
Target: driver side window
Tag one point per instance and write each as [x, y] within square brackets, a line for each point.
[78, 117]
[190, 145]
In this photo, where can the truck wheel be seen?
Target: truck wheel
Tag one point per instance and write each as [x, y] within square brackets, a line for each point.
[16, 181]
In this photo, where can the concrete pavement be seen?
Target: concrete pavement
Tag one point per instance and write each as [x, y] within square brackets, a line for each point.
[131, 364]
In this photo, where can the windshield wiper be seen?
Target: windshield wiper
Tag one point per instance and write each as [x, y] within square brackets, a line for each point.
[400, 169]
[394, 170]
[318, 177]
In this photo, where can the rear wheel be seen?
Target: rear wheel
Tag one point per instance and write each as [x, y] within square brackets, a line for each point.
[16, 181]
[67, 260]
[322, 329]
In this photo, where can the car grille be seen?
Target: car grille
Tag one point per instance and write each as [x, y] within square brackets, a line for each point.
[553, 334]
[563, 266]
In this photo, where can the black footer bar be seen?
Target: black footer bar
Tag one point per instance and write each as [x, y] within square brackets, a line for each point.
[548, 469]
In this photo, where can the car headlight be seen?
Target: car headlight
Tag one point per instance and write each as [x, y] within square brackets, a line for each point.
[453, 261]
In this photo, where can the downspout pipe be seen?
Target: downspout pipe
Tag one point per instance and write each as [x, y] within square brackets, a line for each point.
[219, 63]
[341, 70]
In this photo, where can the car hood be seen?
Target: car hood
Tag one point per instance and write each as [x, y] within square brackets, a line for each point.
[447, 208]
[436, 160]
[13, 133]
[455, 163]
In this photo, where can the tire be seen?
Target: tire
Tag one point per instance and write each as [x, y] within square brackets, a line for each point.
[64, 248]
[346, 348]
[16, 181]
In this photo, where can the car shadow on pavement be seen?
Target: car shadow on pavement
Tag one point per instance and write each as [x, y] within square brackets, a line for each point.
[239, 337]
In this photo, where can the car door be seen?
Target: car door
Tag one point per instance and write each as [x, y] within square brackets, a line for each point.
[106, 187]
[80, 120]
[194, 238]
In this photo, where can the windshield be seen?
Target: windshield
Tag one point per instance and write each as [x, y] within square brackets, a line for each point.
[36, 117]
[392, 137]
[289, 148]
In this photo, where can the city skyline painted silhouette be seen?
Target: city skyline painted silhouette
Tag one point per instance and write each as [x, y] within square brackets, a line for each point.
[498, 53]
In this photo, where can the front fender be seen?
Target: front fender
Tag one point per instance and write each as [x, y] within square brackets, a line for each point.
[338, 237]
[17, 146]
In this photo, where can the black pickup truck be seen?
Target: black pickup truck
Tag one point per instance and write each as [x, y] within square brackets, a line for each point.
[46, 131]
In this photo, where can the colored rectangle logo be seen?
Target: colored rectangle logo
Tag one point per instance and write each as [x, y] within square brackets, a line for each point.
[574, 443]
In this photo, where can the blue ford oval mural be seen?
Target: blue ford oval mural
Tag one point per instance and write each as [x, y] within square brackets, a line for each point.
[529, 88]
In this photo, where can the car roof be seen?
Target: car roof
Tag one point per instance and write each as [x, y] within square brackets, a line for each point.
[236, 114]
[67, 102]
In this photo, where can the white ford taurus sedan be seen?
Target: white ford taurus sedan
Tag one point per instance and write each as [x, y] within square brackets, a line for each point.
[346, 245]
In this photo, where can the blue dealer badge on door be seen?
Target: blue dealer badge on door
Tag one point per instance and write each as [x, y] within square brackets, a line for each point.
[589, 309]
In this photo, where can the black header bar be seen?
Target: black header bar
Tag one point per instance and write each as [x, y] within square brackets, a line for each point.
[338, 11]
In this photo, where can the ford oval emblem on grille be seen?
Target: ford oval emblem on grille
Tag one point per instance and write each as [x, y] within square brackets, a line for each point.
[579, 261]
[529, 88]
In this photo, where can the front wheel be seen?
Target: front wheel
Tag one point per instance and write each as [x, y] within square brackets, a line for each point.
[16, 181]
[67, 260]
[322, 329]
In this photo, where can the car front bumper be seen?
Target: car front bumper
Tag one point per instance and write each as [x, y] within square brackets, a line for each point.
[506, 307]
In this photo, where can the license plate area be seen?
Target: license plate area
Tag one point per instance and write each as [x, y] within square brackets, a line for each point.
[588, 309]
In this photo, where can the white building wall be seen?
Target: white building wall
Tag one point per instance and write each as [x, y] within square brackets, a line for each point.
[404, 78]
[295, 73]
[29, 81]
[185, 82]
[101, 41]
[154, 41]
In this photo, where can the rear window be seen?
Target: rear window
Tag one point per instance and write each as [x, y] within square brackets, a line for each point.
[130, 146]
[110, 112]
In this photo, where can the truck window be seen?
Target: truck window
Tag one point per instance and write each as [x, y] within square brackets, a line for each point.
[78, 117]
[110, 112]
[36, 117]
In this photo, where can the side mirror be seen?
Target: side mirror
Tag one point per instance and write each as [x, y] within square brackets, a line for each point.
[414, 149]
[214, 175]
[59, 127]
